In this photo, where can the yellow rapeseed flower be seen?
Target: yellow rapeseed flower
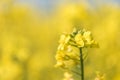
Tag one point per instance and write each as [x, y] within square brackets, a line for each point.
[67, 55]
[64, 39]
[79, 40]
[67, 76]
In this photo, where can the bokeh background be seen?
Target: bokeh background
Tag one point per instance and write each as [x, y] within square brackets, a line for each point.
[30, 30]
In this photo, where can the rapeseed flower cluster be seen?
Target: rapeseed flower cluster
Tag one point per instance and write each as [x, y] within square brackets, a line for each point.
[68, 76]
[100, 76]
[69, 44]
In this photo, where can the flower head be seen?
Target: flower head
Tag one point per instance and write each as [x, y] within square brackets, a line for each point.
[68, 50]
[100, 76]
[67, 76]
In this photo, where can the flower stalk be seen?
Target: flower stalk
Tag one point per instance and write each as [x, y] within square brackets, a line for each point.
[81, 64]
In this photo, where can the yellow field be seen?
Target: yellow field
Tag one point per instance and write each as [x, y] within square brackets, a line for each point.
[29, 40]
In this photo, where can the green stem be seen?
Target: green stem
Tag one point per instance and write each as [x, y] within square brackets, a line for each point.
[81, 64]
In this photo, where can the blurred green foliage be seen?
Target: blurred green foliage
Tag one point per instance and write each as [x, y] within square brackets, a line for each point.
[28, 40]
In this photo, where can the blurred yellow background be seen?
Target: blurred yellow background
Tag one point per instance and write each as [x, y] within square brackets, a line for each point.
[29, 39]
